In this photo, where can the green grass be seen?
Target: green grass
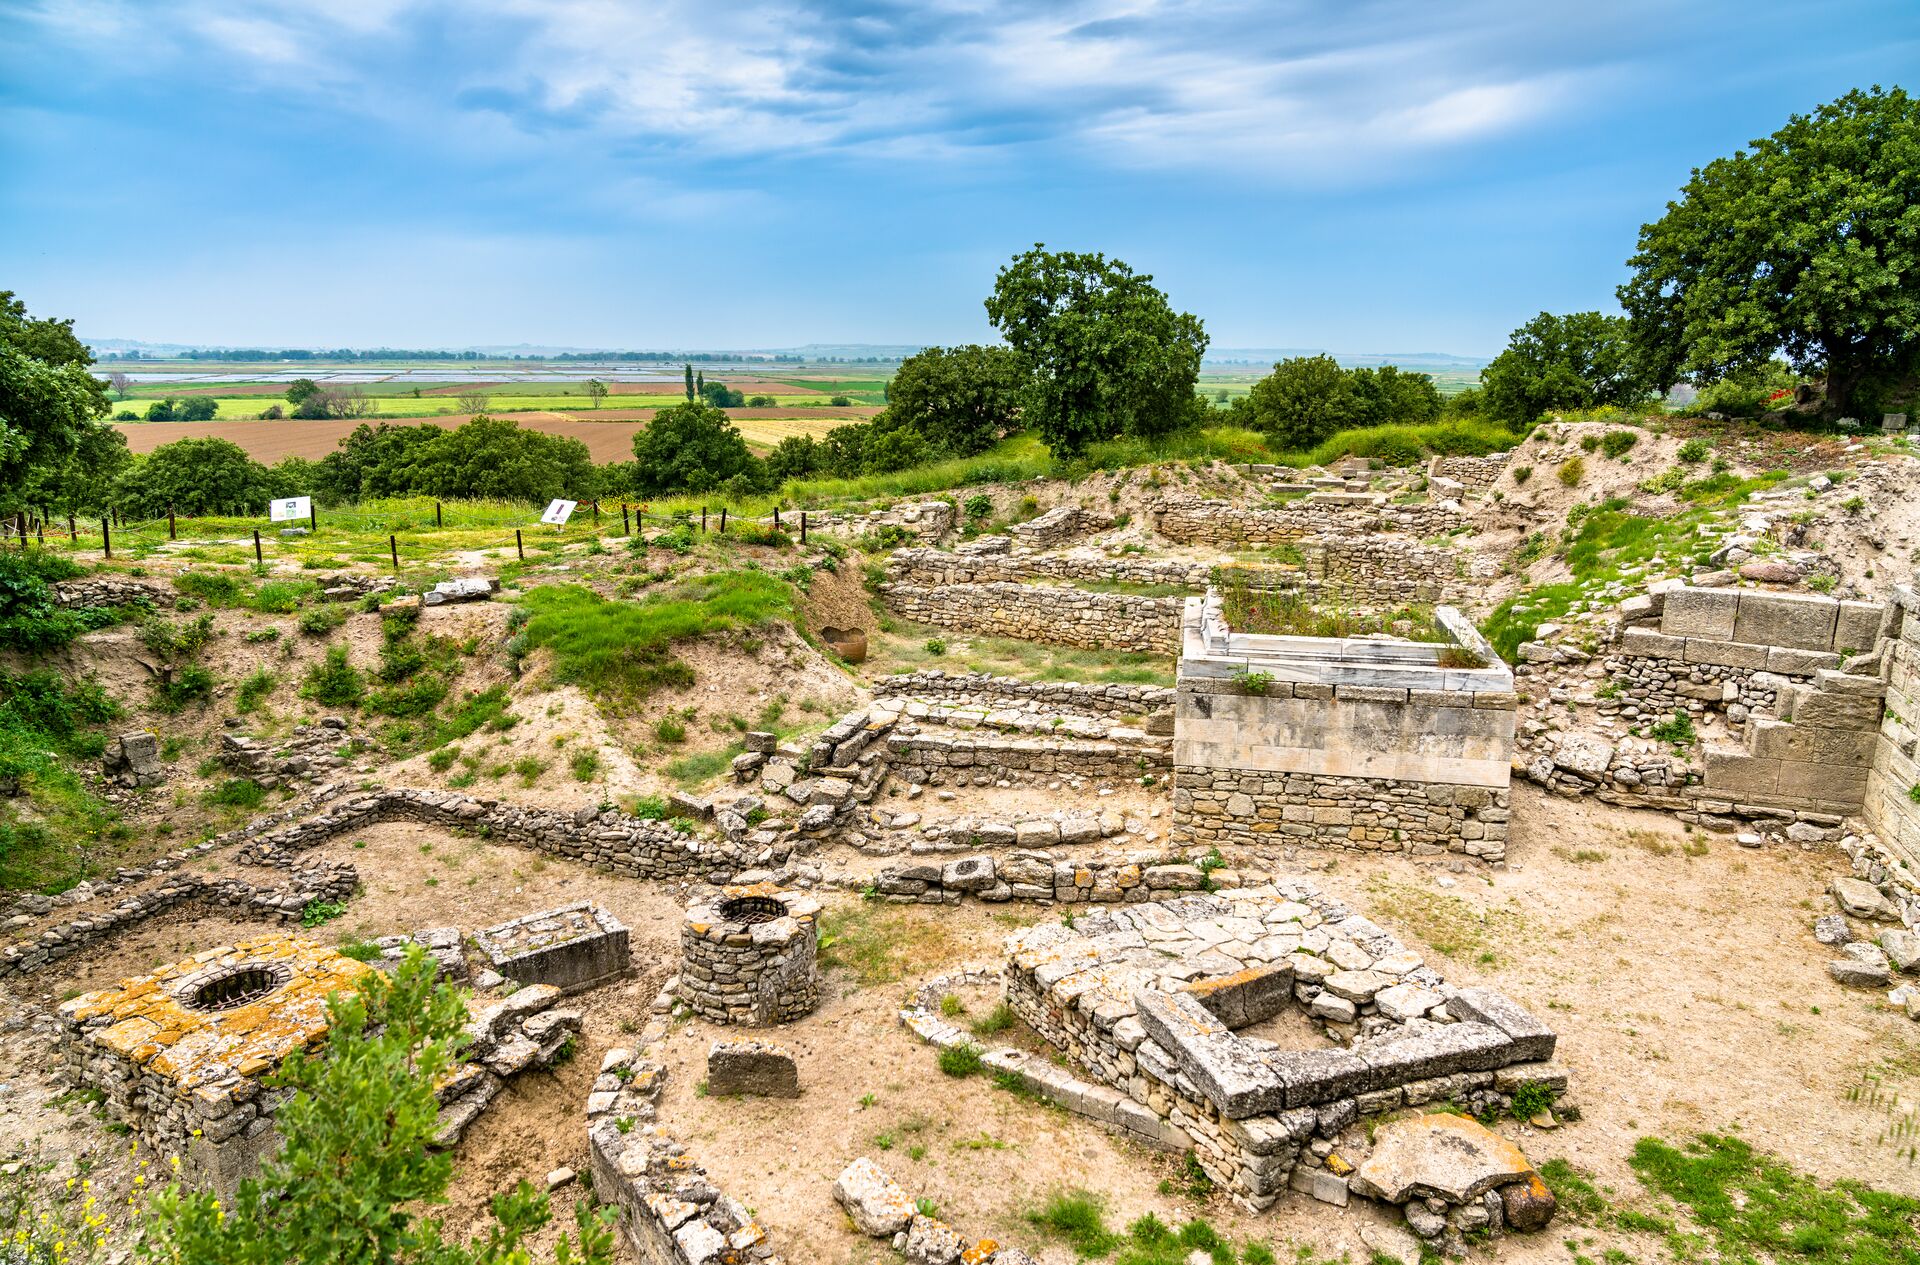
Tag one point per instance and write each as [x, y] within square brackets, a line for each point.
[1078, 1219]
[52, 833]
[1751, 1207]
[621, 651]
[1602, 542]
[879, 943]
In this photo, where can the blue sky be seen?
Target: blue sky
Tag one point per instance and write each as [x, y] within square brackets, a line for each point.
[1365, 175]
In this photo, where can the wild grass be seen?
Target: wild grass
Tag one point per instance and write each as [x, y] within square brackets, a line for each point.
[878, 943]
[621, 651]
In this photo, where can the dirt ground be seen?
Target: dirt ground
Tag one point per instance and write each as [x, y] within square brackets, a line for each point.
[1687, 990]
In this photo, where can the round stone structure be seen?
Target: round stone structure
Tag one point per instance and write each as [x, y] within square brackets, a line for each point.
[748, 956]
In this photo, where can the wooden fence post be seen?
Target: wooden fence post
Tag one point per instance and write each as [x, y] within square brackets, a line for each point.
[436, 514]
[393, 547]
[626, 525]
[257, 555]
[73, 530]
[803, 527]
[313, 517]
[106, 537]
[776, 518]
[703, 518]
[723, 520]
[596, 515]
[518, 546]
[172, 532]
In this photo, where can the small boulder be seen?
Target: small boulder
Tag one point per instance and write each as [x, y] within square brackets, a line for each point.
[1903, 949]
[1528, 1206]
[1832, 929]
[1860, 898]
[873, 1200]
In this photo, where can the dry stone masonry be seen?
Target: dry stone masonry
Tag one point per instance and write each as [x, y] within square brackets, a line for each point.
[1041, 612]
[748, 956]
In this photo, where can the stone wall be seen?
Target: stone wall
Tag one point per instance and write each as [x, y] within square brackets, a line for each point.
[1191, 520]
[1061, 523]
[111, 590]
[1232, 808]
[1358, 744]
[628, 846]
[1732, 650]
[1476, 474]
[670, 1210]
[934, 566]
[1890, 808]
[996, 693]
[941, 759]
[1038, 612]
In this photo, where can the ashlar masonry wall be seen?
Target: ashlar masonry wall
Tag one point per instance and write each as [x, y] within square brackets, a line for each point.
[1191, 520]
[1360, 745]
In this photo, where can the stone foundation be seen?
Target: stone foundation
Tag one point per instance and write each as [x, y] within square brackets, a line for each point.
[1193, 521]
[1148, 1000]
[1231, 808]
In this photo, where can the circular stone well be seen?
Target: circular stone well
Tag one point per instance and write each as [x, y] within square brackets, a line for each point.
[748, 956]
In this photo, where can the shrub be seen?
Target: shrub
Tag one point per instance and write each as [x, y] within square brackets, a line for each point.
[318, 621]
[936, 647]
[1589, 443]
[1615, 443]
[215, 588]
[1694, 451]
[334, 681]
[1521, 474]
[356, 1173]
[184, 686]
[979, 506]
[238, 792]
[254, 689]
[670, 729]
[584, 765]
[1572, 471]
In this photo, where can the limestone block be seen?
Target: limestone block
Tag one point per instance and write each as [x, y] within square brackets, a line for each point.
[1858, 626]
[1726, 654]
[1533, 1040]
[1735, 773]
[875, 1202]
[1803, 622]
[1443, 1156]
[752, 1068]
[1709, 613]
[1646, 643]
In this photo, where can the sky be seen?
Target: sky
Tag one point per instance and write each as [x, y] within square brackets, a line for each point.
[1361, 175]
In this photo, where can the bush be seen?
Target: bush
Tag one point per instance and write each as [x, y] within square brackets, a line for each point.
[334, 681]
[215, 588]
[1572, 471]
[356, 1171]
[254, 689]
[318, 621]
[1694, 451]
[1521, 474]
[283, 597]
[29, 618]
[670, 729]
[1615, 443]
[187, 685]
[979, 506]
[238, 792]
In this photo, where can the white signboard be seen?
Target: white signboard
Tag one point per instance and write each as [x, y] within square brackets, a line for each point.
[558, 512]
[290, 508]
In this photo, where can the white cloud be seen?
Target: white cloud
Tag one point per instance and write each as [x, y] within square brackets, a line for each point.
[1287, 86]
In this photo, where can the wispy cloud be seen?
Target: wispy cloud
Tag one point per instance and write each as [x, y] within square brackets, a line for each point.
[1297, 87]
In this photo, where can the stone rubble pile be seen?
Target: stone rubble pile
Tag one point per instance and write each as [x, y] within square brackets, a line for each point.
[880, 1209]
[312, 753]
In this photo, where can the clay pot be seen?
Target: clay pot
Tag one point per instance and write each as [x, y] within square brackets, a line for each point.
[849, 643]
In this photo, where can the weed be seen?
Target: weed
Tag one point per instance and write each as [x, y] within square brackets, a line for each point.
[317, 912]
[960, 1060]
[1571, 471]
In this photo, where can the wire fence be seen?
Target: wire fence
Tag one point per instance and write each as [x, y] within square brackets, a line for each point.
[395, 520]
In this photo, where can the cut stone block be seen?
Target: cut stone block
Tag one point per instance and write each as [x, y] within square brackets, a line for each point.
[1786, 619]
[1709, 613]
[751, 1068]
[1439, 1156]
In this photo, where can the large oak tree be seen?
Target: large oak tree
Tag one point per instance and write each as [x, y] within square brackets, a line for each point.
[1805, 245]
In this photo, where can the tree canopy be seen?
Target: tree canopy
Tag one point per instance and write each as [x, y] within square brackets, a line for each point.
[1581, 360]
[194, 476]
[961, 399]
[493, 457]
[1104, 351]
[1805, 245]
[51, 406]
[691, 447]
